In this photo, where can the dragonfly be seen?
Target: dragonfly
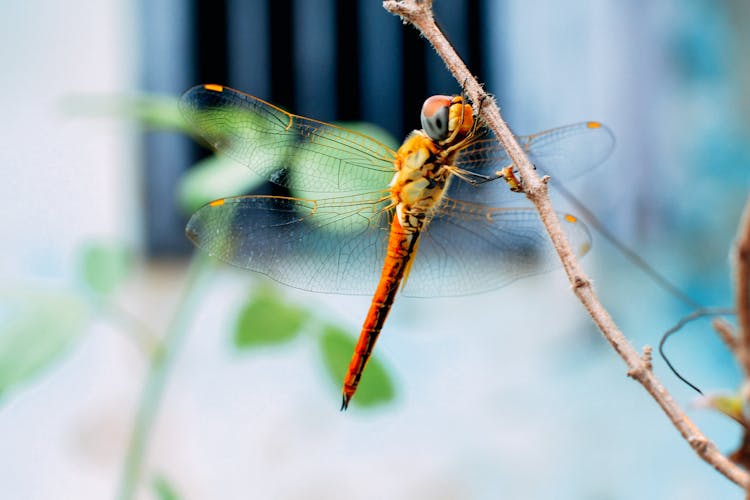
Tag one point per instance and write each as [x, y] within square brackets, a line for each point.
[361, 218]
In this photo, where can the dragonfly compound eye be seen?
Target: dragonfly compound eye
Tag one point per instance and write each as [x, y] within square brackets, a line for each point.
[435, 117]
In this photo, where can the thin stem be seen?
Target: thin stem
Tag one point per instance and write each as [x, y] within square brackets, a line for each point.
[700, 313]
[153, 387]
[726, 333]
[742, 298]
[419, 14]
[140, 333]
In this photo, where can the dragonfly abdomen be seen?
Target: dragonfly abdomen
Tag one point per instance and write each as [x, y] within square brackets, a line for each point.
[401, 248]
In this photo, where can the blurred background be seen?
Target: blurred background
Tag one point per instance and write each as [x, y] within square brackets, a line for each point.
[130, 369]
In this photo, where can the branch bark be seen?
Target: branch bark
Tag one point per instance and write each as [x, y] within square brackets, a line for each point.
[419, 14]
[742, 294]
[726, 334]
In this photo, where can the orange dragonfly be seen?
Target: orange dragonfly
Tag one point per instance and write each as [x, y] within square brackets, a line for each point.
[362, 217]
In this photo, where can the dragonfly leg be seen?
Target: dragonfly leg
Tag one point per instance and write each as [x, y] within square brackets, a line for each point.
[510, 177]
[474, 178]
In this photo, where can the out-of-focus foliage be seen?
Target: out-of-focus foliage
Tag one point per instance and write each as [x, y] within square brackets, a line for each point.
[266, 320]
[37, 327]
[729, 404]
[375, 388]
[213, 178]
[104, 266]
[163, 489]
[40, 326]
[152, 111]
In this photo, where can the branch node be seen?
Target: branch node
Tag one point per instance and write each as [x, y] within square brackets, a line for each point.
[646, 357]
[580, 282]
[644, 367]
[535, 189]
[699, 444]
[637, 372]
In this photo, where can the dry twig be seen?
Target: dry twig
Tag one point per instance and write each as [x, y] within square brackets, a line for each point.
[742, 297]
[726, 333]
[742, 303]
[419, 14]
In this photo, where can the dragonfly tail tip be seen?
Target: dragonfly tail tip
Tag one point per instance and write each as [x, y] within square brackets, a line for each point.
[344, 402]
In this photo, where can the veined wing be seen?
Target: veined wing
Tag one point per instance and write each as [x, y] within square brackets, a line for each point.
[562, 153]
[470, 248]
[331, 245]
[304, 155]
[339, 245]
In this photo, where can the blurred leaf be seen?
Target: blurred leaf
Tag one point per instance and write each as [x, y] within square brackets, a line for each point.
[375, 387]
[104, 266]
[35, 329]
[370, 129]
[156, 112]
[164, 489]
[304, 156]
[213, 178]
[266, 320]
[728, 404]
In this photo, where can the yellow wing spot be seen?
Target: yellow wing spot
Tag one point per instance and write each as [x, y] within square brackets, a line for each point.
[571, 218]
[214, 87]
[216, 203]
[584, 249]
[593, 125]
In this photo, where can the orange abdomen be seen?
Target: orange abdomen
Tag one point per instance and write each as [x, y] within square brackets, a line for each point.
[401, 246]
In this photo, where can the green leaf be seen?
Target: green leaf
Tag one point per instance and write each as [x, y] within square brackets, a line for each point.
[153, 111]
[370, 129]
[266, 320]
[36, 328]
[213, 178]
[104, 266]
[375, 387]
[303, 156]
[728, 404]
[164, 489]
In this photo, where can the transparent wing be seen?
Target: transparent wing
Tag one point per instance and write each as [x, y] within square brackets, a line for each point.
[331, 246]
[469, 248]
[304, 155]
[339, 245]
[562, 153]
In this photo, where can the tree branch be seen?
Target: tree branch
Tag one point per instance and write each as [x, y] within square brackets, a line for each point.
[419, 14]
[742, 297]
[727, 334]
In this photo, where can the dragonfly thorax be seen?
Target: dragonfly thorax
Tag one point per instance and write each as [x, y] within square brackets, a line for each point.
[420, 179]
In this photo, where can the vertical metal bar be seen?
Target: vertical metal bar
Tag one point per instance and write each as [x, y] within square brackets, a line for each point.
[381, 66]
[248, 46]
[314, 24]
[165, 55]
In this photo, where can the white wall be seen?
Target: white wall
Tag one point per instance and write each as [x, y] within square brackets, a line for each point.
[64, 178]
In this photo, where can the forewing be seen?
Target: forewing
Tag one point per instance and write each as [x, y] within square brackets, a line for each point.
[304, 155]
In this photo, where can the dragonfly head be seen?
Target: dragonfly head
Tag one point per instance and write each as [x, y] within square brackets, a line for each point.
[446, 119]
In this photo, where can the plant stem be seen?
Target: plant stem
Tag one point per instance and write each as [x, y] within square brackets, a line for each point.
[137, 331]
[155, 383]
